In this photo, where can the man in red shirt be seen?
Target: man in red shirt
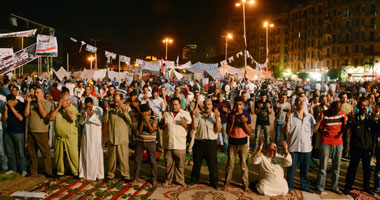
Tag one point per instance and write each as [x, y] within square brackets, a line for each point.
[331, 127]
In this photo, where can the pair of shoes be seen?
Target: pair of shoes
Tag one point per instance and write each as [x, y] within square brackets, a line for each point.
[338, 192]
[9, 172]
[49, 176]
[24, 173]
[318, 192]
[346, 192]
[76, 177]
[107, 180]
[127, 180]
[217, 187]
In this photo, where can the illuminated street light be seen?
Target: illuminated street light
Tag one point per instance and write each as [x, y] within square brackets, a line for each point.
[243, 2]
[91, 58]
[167, 41]
[266, 26]
[228, 36]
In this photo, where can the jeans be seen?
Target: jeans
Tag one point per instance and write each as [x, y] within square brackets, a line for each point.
[259, 128]
[303, 160]
[150, 148]
[242, 152]
[377, 170]
[3, 157]
[365, 156]
[225, 137]
[327, 151]
[15, 141]
[279, 128]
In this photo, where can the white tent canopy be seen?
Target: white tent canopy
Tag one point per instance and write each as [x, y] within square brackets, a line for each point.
[226, 69]
[61, 73]
[175, 74]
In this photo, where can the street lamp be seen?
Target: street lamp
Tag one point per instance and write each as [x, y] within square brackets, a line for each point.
[167, 41]
[91, 58]
[228, 36]
[243, 2]
[266, 26]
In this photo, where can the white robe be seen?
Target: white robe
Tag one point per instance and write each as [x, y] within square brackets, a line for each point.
[272, 181]
[91, 163]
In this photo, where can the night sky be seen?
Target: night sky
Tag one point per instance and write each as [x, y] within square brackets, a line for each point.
[134, 28]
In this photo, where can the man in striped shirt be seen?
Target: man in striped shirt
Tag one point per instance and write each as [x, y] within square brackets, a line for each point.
[146, 140]
[331, 128]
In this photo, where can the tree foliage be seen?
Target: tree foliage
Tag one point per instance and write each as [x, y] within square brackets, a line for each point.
[334, 73]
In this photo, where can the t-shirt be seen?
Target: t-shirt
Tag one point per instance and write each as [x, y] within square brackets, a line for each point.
[14, 125]
[238, 135]
[37, 124]
[220, 105]
[145, 135]
[280, 118]
[331, 128]
[263, 114]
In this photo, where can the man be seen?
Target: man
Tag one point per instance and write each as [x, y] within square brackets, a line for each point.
[144, 97]
[55, 92]
[271, 170]
[38, 130]
[331, 127]
[157, 104]
[15, 92]
[87, 94]
[207, 126]
[91, 164]
[119, 118]
[3, 156]
[175, 124]
[78, 91]
[281, 109]
[238, 130]
[196, 103]
[146, 141]
[69, 85]
[299, 127]
[248, 103]
[263, 108]
[5, 88]
[348, 110]
[66, 135]
[14, 136]
[224, 109]
[376, 131]
[362, 144]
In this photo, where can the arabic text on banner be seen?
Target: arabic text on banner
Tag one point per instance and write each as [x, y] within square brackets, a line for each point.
[110, 55]
[90, 48]
[125, 59]
[5, 52]
[18, 59]
[29, 33]
[46, 46]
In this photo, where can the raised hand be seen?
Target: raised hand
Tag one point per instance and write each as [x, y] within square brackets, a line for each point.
[89, 112]
[244, 119]
[28, 99]
[285, 145]
[106, 106]
[287, 116]
[321, 116]
[183, 121]
[224, 109]
[261, 145]
[217, 113]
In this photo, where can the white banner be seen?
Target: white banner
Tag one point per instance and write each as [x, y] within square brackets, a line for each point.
[46, 46]
[125, 59]
[5, 52]
[29, 33]
[91, 49]
[110, 55]
[18, 59]
[230, 59]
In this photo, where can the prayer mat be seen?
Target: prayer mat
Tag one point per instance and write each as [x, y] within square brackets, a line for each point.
[67, 187]
[203, 192]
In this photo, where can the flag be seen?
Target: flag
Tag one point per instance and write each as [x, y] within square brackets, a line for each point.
[28, 33]
[46, 46]
[124, 59]
[162, 66]
[5, 52]
[91, 49]
[110, 55]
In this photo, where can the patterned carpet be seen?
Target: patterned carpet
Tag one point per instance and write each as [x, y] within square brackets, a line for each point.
[203, 192]
[68, 188]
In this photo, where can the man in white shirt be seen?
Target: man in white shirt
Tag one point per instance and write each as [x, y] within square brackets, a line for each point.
[145, 95]
[206, 125]
[78, 91]
[156, 103]
[70, 86]
[175, 124]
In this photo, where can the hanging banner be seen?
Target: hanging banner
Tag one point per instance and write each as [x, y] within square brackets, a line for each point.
[230, 59]
[125, 59]
[5, 52]
[29, 33]
[91, 49]
[18, 59]
[46, 46]
[139, 61]
[110, 55]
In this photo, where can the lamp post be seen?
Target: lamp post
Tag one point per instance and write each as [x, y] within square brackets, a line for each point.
[167, 41]
[266, 26]
[243, 2]
[91, 58]
[228, 36]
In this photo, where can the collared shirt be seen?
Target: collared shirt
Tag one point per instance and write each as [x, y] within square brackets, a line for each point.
[205, 127]
[300, 132]
[175, 134]
[63, 127]
[119, 125]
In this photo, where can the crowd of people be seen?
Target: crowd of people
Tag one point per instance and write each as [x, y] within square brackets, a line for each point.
[82, 119]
